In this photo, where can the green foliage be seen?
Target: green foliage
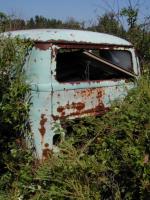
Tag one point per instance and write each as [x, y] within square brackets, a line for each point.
[9, 23]
[131, 14]
[14, 110]
[102, 158]
[108, 23]
[4, 20]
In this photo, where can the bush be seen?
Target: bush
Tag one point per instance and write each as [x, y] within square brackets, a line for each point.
[101, 158]
[14, 111]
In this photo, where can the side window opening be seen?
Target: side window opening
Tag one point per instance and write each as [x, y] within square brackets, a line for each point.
[118, 57]
[88, 65]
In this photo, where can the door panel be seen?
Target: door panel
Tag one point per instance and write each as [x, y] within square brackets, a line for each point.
[74, 103]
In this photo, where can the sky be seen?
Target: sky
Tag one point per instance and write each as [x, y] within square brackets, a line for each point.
[82, 10]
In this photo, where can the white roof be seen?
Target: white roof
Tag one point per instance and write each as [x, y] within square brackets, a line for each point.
[65, 35]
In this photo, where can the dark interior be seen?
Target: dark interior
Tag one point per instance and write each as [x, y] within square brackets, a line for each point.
[76, 66]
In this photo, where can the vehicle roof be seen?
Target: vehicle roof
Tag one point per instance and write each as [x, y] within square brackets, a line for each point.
[65, 35]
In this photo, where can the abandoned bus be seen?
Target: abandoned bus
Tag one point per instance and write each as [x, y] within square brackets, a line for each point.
[74, 74]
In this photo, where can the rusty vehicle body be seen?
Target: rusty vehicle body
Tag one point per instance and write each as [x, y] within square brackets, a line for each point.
[74, 74]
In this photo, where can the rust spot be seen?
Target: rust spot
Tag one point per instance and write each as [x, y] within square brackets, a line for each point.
[99, 110]
[60, 109]
[79, 106]
[99, 94]
[42, 128]
[86, 45]
[63, 113]
[85, 93]
[55, 117]
[42, 45]
[46, 153]
[46, 145]
[79, 109]
[66, 44]
[54, 52]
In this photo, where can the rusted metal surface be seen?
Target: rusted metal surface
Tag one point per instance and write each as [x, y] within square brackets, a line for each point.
[78, 106]
[95, 111]
[42, 128]
[46, 152]
[54, 51]
[43, 45]
[91, 103]
[81, 45]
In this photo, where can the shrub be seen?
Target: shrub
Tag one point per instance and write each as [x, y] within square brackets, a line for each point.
[103, 158]
[14, 110]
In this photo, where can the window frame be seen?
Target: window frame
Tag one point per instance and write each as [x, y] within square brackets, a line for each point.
[88, 47]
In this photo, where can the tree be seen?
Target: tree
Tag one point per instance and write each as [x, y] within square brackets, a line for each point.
[4, 19]
[30, 23]
[108, 23]
[71, 23]
[131, 14]
[17, 24]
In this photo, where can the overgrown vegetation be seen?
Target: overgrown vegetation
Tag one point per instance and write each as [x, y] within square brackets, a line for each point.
[102, 158]
[13, 111]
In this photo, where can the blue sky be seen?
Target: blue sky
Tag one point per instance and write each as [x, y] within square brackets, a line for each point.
[82, 10]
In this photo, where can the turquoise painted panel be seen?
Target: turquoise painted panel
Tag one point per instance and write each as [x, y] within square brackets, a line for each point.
[52, 101]
[37, 66]
[78, 36]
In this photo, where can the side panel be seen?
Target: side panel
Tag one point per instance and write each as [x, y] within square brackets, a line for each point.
[38, 72]
[41, 123]
[90, 101]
